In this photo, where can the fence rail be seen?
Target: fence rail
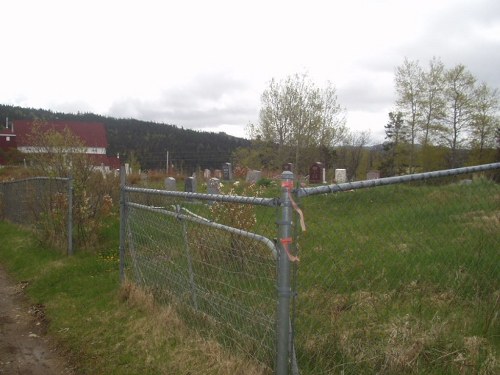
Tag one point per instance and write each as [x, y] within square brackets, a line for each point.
[384, 267]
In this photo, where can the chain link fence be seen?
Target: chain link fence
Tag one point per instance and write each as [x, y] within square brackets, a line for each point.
[398, 275]
[42, 203]
[213, 257]
[401, 275]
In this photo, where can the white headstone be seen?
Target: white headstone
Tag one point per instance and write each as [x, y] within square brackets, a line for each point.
[253, 176]
[340, 176]
[170, 184]
[213, 186]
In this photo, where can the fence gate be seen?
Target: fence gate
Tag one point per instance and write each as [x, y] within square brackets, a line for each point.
[216, 259]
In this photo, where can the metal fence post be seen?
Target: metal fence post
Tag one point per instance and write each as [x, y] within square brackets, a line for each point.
[284, 288]
[123, 222]
[70, 215]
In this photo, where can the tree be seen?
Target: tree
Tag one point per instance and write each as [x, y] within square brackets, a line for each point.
[483, 123]
[459, 95]
[433, 103]
[395, 133]
[62, 154]
[409, 87]
[299, 118]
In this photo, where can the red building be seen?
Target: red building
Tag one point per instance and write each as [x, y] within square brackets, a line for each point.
[91, 134]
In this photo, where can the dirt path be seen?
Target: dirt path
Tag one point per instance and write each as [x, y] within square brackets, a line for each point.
[24, 347]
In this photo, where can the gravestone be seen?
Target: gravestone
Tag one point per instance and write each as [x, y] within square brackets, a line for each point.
[227, 172]
[253, 176]
[218, 174]
[190, 185]
[373, 175]
[340, 176]
[206, 174]
[170, 184]
[288, 167]
[213, 186]
[316, 173]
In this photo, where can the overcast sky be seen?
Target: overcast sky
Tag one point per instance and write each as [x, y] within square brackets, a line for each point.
[204, 64]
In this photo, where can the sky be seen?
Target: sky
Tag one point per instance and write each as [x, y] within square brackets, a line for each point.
[204, 64]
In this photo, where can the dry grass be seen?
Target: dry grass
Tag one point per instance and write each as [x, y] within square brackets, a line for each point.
[189, 353]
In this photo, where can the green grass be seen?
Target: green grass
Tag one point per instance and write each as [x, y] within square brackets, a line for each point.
[401, 280]
[100, 326]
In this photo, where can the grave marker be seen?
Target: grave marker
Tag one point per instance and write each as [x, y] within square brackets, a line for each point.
[227, 172]
[316, 173]
[288, 167]
[170, 184]
[340, 176]
[373, 175]
[190, 185]
[213, 186]
[253, 176]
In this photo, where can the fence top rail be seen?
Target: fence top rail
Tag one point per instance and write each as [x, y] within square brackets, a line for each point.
[272, 202]
[36, 179]
[303, 192]
[201, 220]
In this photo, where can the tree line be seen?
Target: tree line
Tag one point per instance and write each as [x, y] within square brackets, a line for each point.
[443, 118]
[146, 143]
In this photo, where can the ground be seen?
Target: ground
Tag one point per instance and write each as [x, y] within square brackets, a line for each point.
[25, 348]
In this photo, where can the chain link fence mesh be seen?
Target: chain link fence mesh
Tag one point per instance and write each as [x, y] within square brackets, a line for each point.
[41, 203]
[401, 279]
[213, 258]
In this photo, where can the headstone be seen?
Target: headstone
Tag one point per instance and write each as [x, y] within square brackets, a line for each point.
[218, 174]
[227, 172]
[288, 167]
[373, 175]
[340, 176]
[206, 174]
[190, 185]
[213, 186]
[170, 184]
[316, 173]
[253, 176]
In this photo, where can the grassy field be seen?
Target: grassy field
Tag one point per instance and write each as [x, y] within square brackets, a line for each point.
[401, 280]
[394, 280]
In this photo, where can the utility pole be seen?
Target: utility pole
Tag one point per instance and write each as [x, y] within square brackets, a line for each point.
[168, 165]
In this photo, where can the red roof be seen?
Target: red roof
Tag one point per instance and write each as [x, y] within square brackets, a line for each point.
[92, 134]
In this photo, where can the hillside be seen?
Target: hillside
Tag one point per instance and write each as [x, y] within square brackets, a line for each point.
[147, 141]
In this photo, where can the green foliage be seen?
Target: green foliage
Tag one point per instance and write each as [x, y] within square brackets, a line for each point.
[299, 118]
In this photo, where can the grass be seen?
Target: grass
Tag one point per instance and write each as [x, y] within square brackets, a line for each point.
[393, 280]
[105, 328]
[401, 280]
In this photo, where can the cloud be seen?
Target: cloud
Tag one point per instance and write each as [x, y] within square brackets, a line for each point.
[206, 101]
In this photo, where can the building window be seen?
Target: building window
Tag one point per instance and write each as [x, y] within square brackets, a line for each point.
[8, 139]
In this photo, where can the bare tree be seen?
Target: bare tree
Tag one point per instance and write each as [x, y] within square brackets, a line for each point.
[459, 95]
[484, 121]
[409, 87]
[433, 102]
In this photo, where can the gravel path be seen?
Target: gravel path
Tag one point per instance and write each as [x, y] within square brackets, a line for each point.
[24, 347]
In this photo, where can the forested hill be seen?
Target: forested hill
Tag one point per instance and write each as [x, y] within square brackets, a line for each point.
[147, 142]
